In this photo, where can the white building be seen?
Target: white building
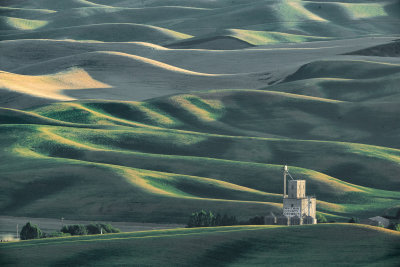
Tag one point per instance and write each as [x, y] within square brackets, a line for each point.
[298, 208]
[297, 204]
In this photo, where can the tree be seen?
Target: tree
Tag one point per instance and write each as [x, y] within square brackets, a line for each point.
[93, 229]
[30, 231]
[354, 220]
[201, 219]
[75, 229]
[321, 218]
[394, 226]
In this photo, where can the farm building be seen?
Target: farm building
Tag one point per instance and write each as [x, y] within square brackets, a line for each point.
[297, 207]
[376, 221]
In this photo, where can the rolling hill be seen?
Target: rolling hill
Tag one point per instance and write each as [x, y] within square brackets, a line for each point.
[221, 246]
[385, 50]
[289, 97]
[165, 147]
[146, 111]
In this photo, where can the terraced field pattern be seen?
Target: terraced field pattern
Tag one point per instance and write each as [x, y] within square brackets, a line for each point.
[146, 111]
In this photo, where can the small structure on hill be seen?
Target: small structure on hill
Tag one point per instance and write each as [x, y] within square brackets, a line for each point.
[377, 221]
[297, 207]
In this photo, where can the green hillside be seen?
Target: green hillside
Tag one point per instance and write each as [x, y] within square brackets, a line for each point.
[219, 150]
[140, 113]
[222, 246]
[257, 22]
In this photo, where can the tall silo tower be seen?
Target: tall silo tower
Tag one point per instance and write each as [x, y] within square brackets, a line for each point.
[299, 208]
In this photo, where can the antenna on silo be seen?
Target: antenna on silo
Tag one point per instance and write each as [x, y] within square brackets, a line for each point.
[285, 172]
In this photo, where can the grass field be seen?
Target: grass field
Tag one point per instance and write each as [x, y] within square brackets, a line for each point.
[328, 245]
[213, 130]
[146, 111]
[200, 148]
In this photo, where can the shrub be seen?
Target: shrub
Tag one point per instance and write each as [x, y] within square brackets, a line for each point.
[75, 229]
[321, 218]
[354, 220]
[30, 231]
[394, 226]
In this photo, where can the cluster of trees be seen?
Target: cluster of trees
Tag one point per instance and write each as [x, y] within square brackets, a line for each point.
[394, 226]
[32, 231]
[321, 218]
[207, 219]
[90, 229]
[354, 220]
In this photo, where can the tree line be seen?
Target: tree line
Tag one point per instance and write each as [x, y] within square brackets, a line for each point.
[32, 231]
[205, 218]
